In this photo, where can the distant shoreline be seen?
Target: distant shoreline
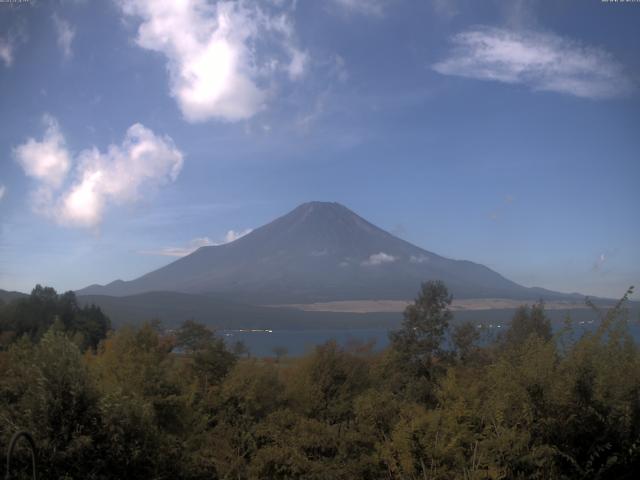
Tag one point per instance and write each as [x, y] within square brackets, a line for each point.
[394, 306]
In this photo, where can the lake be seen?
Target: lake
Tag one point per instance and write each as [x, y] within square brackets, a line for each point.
[298, 342]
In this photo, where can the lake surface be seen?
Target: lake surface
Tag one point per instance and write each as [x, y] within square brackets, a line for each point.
[298, 342]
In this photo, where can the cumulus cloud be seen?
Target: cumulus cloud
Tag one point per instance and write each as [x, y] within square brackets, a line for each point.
[65, 33]
[214, 65]
[121, 174]
[365, 7]
[3, 190]
[6, 51]
[196, 243]
[541, 61]
[378, 259]
[48, 160]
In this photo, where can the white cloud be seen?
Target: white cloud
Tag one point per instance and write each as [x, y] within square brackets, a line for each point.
[365, 7]
[3, 190]
[48, 161]
[603, 261]
[119, 175]
[298, 64]
[541, 61]
[418, 259]
[196, 243]
[378, 259]
[12, 38]
[600, 262]
[122, 174]
[215, 69]
[6, 51]
[233, 235]
[191, 247]
[65, 33]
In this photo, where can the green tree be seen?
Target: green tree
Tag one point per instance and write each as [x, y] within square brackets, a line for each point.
[193, 336]
[528, 321]
[324, 384]
[425, 323]
[34, 315]
[210, 360]
[465, 337]
[46, 389]
[416, 349]
[143, 404]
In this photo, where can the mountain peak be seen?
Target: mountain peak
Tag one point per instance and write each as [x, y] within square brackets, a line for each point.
[320, 204]
[319, 251]
[319, 223]
[315, 207]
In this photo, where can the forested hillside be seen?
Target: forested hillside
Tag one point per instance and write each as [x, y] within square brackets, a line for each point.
[148, 403]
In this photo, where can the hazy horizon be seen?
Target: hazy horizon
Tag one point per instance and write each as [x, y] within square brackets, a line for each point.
[501, 133]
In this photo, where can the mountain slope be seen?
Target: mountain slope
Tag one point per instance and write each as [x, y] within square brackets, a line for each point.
[319, 252]
[172, 308]
[6, 296]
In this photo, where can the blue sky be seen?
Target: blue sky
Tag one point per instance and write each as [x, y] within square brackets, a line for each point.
[501, 132]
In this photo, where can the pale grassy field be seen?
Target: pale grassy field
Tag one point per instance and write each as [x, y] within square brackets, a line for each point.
[372, 306]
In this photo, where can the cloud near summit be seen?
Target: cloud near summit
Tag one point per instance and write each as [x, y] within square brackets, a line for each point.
[196, 243]
[121, 174]
[216, 70]
[378, 259]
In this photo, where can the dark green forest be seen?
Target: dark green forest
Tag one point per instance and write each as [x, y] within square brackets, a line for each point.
[439, 403]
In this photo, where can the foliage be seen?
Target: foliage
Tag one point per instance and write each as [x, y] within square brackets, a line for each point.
[528, 321]
[465, 338]
[35, 314]
[167, 405]
[416, 349]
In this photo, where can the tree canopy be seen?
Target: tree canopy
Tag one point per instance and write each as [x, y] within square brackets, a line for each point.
[436, 404]
[34, 315]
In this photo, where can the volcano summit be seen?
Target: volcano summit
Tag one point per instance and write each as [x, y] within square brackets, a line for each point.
[320, 252]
